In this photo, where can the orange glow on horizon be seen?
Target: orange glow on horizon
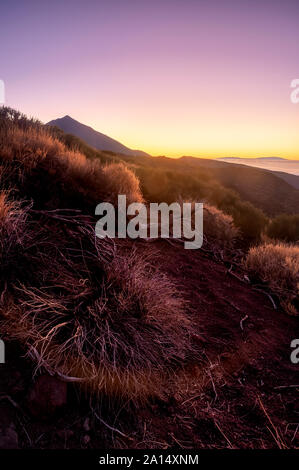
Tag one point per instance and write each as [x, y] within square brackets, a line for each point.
[208, 79]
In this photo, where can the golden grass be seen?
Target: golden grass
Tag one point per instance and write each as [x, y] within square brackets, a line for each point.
[121, 180]
[219, 228]
[33, 153]
[278, 266]
[124, 340]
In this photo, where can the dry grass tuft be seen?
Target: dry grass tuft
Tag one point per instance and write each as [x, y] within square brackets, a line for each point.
[122, 334]
[121, 180]
[219, 228]
[278, 266]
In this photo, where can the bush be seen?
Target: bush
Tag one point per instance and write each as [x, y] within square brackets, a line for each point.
[161, 185]
[41, 168]
[284, 227]
[121, 180]
[249, 219]
[278, 266]
[219, 229]
[12, 118]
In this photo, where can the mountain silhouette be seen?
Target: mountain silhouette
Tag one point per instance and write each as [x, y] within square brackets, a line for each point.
[93, 138]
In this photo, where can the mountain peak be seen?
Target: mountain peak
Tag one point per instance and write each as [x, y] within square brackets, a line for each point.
[67, 117]
[92, 137]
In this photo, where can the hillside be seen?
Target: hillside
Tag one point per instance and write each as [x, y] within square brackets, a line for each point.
[91, 137]
[131, 343]
[262, 188]
[288, 170]
[293, 180]
[271, 192]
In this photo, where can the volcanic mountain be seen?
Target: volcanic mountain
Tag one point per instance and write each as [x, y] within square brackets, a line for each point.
[91, 137]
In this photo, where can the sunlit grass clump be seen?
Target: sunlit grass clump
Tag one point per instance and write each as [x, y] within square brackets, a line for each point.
[219, 229]
[278, 266]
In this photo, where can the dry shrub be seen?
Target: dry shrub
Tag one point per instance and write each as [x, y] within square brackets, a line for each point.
[219, 231]
[81, 306]
[28, 146]
[284, 227]
[219, 228]
[278, 266]
[13, 215]
[43, 169]
[117, 325]
[121, 180]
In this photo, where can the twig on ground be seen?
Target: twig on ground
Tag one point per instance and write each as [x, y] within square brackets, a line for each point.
[229, 271]
[112, 428]
[274, 432]
[282, 387]
[268, 295]
[223, 434]
[242, 321]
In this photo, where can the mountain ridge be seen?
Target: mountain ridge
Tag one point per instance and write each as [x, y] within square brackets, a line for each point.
[92, 137]
[226, 172]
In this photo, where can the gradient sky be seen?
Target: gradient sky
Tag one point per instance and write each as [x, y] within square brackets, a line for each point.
[172, 77]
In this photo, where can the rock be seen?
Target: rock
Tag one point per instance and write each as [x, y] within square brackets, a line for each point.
[47, 396]
[9, 438]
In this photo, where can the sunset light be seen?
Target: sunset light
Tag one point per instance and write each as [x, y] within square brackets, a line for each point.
[201, 78]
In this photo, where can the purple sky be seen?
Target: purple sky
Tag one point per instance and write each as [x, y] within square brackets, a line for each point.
[205, 77]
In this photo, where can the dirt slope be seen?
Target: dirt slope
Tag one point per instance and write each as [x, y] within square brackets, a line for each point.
[232, 401]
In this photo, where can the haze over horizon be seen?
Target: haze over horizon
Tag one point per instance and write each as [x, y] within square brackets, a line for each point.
[169, 78]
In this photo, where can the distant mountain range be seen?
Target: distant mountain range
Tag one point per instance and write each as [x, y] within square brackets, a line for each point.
[277, 164]
[259, 158]
[93, 138]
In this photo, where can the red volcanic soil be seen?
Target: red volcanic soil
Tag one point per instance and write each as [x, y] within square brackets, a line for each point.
[239, 392]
